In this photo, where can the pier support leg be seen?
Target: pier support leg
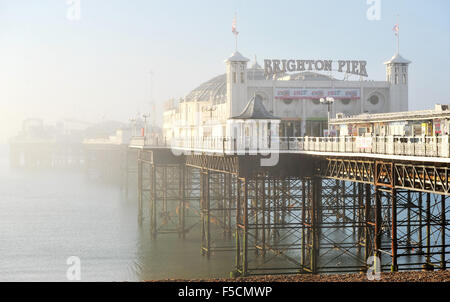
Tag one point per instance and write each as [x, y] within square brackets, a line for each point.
[263, 217]
[443, 225]
[367, 218]
[238, 268]
[245, 231]
[315, 223]
[408, 225]
[420, 205]
[153, 202]
[428, 264]
[182, 204]
[360, 212]
[205, 210]
[394, 243]
[303, 223]
[140, 188]
[378, 225]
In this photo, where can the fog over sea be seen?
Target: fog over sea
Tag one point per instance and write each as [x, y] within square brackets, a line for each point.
[48, 216]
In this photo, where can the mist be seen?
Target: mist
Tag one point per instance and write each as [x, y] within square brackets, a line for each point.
[103, 102]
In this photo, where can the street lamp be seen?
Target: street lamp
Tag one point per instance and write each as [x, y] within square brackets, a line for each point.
[329, 102]
[133, 122]
[145, 116]
[210, 109]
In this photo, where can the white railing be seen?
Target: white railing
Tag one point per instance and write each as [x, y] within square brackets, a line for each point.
[141, 141]
[389, 145]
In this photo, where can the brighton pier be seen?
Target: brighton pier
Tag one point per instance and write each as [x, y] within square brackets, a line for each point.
[337, 195]
[310, 196]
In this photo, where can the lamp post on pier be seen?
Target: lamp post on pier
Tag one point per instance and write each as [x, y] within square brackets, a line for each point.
[329, 102]
[133, 122]
[145, 116]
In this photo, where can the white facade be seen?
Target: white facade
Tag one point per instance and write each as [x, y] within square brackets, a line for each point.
[294, 98]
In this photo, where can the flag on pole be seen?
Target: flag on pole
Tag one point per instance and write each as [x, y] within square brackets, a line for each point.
[396, 29]
[234, 27]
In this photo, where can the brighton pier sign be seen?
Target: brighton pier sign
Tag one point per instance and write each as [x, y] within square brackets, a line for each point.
[272, 67]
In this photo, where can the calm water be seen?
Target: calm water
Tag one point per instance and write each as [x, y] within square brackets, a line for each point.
[46, 217]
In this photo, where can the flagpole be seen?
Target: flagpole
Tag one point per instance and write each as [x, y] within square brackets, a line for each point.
[236, 32]
[398, 34]
[398, 39]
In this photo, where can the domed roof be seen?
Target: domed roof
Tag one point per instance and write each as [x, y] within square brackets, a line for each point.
[397, 59]
[215, 89]
[237, 57]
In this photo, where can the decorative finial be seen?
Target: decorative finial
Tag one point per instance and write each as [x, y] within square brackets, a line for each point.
[234, 29]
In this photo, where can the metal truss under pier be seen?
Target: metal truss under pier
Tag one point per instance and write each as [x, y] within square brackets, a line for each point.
[307, 214]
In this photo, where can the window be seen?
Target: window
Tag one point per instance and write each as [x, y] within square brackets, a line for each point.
[374, 100]
[242, 78]
[234, 78]
[316, 101]
[396, 79]
[288, 101]
[404, 79]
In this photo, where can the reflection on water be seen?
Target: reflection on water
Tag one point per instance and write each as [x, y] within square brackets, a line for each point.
[46, 217]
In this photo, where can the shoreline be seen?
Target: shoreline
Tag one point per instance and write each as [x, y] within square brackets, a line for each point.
[412, 276]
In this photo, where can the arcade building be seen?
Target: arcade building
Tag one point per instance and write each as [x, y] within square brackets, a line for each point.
[290, 91]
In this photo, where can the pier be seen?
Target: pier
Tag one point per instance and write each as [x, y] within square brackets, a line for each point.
[326, 202]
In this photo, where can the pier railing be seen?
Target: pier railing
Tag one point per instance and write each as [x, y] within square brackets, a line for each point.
[423, 146]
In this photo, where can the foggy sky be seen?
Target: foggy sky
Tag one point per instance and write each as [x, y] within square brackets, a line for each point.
[98, 68]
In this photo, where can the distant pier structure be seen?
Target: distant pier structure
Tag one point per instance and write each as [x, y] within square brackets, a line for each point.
[98, 149]
[38, 146]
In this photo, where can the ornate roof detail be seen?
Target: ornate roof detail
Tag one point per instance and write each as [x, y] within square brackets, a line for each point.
[237, 57]
[255, 110]
[397, 59]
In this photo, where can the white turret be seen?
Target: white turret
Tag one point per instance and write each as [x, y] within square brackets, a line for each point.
[236, 83]
[397, 76]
